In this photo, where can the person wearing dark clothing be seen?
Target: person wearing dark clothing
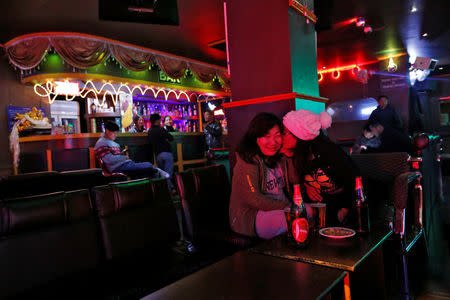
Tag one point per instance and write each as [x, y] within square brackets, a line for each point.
[385, 114]
[212, 131]
[326, 172]
[159, 139]
[392, 140]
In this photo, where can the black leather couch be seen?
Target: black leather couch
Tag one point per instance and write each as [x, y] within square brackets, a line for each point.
[47, 238]
[119, 240]
[205, 195]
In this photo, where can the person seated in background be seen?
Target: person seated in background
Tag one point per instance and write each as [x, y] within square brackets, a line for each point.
[326, 172]
[168, 124]
[366, 140]
[138, 125]
[392, 140]
[258, 193]
[115, 160]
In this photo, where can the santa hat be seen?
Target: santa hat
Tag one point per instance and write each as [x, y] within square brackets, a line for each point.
[305, 124]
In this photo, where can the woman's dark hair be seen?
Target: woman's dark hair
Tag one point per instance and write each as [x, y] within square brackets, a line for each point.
[136, 119]
[303, 153]
[166, 118]
[258, 127]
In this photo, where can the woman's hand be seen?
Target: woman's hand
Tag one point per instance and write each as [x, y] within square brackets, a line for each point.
[313, 193]
[342, 214]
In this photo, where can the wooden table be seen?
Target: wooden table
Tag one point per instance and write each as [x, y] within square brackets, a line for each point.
[253, 276]
[361, 255]
[344, 254]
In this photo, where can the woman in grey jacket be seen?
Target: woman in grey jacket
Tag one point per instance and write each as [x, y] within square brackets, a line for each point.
[260, 186]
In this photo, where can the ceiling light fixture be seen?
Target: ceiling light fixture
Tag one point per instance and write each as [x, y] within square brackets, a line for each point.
[360, 22]
[425, 34]
[413, 9]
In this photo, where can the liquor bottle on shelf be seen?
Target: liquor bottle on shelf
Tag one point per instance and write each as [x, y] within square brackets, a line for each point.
[189, 111]
[296, 218]
[195, 111]
[361, 208]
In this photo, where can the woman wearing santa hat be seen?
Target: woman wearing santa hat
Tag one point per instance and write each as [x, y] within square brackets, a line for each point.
[326, 172]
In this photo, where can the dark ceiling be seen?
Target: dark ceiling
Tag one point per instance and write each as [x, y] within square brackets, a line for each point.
[201, 22]
[395, 27]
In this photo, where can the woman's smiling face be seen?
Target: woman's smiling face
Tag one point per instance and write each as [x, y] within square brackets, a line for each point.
[271, 142]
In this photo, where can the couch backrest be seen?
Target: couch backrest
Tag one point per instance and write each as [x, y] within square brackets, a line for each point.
[135, 215]
[205, 195]
[82, 179]
[382, 166]
[28, 184]
[44, 238]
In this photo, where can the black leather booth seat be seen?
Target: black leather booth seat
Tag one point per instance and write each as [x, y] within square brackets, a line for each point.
[139, 230]
[135, 215]
[45, 238]
[205, 195]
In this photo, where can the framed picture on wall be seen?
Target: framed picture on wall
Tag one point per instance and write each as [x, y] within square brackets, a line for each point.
[12, 112]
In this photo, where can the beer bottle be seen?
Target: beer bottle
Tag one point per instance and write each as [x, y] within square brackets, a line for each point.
[361, 208]
[297, 220]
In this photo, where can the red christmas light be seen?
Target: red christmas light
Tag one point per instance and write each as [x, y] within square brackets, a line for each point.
[336, 74]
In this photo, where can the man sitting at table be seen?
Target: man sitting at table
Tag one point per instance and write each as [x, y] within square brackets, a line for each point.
[115, 160]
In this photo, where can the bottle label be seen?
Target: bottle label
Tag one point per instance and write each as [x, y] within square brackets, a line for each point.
[298, 201]
[300, 229]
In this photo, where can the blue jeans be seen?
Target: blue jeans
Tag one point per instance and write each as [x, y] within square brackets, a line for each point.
[164, 160]
[142, 169]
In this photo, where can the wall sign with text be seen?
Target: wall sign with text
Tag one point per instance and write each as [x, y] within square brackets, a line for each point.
[164, 78]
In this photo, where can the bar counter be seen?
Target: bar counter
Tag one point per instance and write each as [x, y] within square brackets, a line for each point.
[65, 152]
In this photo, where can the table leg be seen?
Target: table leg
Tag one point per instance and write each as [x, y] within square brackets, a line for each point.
[347, 294]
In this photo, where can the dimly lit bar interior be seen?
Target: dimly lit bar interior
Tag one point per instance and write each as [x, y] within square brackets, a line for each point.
[225, 149]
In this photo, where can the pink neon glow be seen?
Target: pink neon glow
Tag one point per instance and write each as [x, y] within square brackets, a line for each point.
[226, 35]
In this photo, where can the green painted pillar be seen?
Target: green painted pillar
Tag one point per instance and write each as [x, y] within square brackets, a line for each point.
[273, 62]
[303, 46]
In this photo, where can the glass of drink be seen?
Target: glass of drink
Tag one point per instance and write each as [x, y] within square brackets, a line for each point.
[319, 215]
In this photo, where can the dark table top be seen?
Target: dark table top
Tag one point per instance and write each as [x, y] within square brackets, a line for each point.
[253, 276]
[343, 254]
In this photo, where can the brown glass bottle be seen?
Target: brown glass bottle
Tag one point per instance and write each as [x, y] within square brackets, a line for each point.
[297, 220]
[361, 208]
